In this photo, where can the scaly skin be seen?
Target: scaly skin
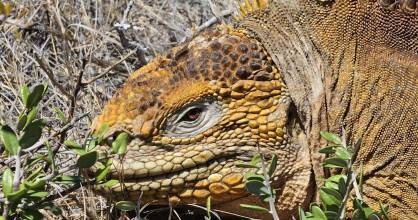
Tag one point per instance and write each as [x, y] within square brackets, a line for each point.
[280, 75]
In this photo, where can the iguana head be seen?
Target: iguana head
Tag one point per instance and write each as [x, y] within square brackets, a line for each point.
[197, 111]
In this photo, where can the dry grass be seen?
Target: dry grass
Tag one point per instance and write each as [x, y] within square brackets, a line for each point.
[84, 50]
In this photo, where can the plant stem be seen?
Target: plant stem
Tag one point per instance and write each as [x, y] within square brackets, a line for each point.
[351, 177]
[16, 180]
[6, 210]
[271, 199]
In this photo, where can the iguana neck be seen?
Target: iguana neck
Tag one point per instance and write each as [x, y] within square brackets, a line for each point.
[352, 65]
[302, 64]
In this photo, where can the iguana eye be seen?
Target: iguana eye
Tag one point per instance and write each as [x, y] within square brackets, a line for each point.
[192, 115]
[193, 119]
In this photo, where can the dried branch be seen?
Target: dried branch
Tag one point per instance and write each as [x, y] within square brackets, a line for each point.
[106, 72]
[44, 66]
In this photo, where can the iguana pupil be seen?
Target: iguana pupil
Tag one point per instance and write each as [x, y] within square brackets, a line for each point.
[192, 114]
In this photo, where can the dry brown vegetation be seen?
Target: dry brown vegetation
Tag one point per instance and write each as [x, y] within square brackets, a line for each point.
[84, 50]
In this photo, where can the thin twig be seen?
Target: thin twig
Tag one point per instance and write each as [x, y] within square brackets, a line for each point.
[139, 51]
[213, 20]
[109, 68]
[51, 76]
[124, 25]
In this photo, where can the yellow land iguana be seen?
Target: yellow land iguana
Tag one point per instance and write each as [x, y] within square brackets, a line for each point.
[281, 73]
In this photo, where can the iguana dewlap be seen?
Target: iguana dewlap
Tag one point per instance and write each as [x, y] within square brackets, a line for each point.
[276, 77]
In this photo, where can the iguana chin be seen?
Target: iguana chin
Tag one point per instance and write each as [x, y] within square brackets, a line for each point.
[281, 73]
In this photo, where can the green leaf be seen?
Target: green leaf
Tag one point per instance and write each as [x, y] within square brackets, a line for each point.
[68, 179]
[109, 183]
[7, 181]
[101, 173]
[252, 176]
[329, 199]
[373, 216]
[318, 213]
[9, 139]
[32, 133]
[17, 194]
[60, 115]
[331, 185]
[33, 161]
[78, 149]
[34, 173]
[301, 214]
[342, 188]
[101, 132]
[91, 144]
[273, 165]
[256, 159]
[34, 185]
[31, 116]
[368, 211]
[342, 153]
[336, 178]
[333, 192]
[384, 210]
[246, 165]
[331, 214]
[38, 195]
[24, 92]
[119, 146]
[334, 162]
[257, 188]
[21, 121]
[309, 215]
[88, 159]
[361, 209]
[327, 150]
[50, 156]
[31, 214]
[254, 207]
[125, 205]
[35, 96]
[331, 137]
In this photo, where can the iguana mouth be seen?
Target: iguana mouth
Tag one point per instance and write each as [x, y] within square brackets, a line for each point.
[156, 174]
[190, 176]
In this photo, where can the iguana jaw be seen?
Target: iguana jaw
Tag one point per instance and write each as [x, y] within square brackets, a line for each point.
[192, 183]
[189, 175]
